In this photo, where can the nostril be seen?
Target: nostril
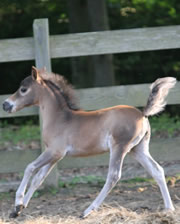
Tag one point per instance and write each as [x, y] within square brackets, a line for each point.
[7, 106]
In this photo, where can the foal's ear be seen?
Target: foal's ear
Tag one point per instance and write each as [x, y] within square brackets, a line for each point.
[35, 75]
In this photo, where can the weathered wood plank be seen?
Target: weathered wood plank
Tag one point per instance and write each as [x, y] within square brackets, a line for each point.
[19, 49]
[96, 98]
[111, 42]
[135, 95]
[94, 43]
[42, 59]
[9, 186]
[16, 160]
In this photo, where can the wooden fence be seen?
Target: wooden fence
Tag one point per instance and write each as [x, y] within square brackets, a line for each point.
[42, 47]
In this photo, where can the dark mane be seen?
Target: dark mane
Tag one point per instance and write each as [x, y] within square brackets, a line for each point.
[66, 90]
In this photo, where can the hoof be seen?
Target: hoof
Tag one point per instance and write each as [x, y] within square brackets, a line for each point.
[88, 211]
[169, 210]
[17, 211]
[81, 217]
[13, 215]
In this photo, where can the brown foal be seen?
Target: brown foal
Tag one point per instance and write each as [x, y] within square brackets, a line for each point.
[69, 131]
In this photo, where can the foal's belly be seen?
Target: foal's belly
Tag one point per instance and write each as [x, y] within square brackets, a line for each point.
[86, 150]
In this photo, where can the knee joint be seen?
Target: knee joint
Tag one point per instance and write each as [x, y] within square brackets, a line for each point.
[30, 169]
[19, 194]
[159, 172]
[115, 178]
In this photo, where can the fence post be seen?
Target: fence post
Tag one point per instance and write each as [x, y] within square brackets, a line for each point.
[42, 59]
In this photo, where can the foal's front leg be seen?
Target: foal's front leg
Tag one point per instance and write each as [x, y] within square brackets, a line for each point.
[114, 174]
[37, 181]
[32, 168]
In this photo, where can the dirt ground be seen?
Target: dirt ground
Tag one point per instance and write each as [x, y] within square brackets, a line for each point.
[128, 202]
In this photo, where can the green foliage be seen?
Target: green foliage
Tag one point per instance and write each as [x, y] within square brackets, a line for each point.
[143, 13]
[16, 18]
[164, 125]
[144, 67]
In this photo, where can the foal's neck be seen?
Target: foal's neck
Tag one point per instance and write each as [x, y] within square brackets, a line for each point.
[53, 107]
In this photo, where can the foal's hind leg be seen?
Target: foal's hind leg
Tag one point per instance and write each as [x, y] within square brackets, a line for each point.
[114, 174]
[142, 155]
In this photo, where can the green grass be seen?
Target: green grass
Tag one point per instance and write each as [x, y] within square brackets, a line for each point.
[6, 195]
[22, 133]
[90, 179]
[138, 180]
[51, 190]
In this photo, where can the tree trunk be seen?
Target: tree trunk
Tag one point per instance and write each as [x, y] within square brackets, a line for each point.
[102, 64]
[85, 16]
[78, 16]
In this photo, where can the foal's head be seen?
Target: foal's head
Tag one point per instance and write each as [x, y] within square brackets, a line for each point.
[30, 90]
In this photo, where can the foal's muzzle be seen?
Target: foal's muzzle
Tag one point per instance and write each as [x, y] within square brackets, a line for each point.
[7, 107]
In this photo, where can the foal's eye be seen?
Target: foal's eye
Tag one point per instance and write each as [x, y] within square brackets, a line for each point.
[23, 89]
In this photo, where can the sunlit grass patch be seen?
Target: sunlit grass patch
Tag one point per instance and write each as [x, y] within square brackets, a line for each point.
[138, 180]
[89, 179]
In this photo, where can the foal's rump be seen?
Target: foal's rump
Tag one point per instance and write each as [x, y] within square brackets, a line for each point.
[127, 123]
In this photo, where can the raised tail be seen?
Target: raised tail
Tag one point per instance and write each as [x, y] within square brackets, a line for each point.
[159, 90]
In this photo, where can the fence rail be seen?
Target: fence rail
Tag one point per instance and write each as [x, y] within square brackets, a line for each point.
[94, 43]
[43, 47]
